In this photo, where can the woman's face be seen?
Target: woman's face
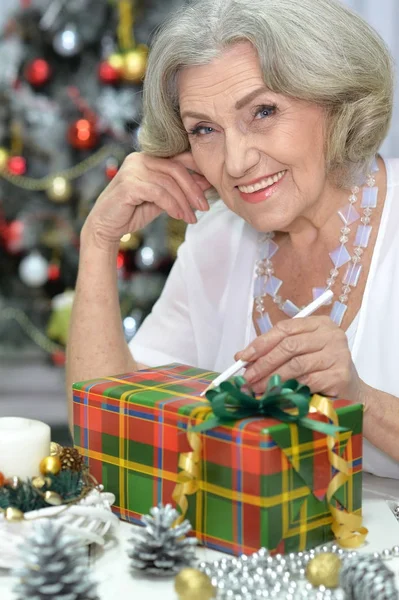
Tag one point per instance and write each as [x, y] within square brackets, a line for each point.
[262, 151]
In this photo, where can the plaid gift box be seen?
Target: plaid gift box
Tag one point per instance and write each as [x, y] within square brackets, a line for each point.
[263, 483]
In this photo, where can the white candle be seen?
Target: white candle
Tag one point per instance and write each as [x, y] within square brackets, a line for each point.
[23, 444]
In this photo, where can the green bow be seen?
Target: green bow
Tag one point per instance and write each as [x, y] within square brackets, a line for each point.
[230, 403]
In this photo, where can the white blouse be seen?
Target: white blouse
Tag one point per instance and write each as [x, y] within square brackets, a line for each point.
[204, 314]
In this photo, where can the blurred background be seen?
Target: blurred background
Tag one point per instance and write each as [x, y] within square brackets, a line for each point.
[70, 103]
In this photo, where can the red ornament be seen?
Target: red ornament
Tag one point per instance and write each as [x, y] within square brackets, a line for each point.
[54, 271]
[38, 72]
[58, 358]
[120, 261]
[111, 168]
[107, 73]
[82, 135]
[17, 165]
[2, 479]
[13, 237]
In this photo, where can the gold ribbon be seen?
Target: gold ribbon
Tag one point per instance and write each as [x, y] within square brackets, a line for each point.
[347, 527]
[188, 480]
[125, 26]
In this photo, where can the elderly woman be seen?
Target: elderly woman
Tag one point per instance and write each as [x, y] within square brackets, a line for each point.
[280, 108]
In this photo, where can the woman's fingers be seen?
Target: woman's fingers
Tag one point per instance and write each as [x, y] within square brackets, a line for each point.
[201, 181]
[265, 343]
[287, 355]
[158, 195]
[178, 172]
[293, 368]
[169, 184]
[323, 382]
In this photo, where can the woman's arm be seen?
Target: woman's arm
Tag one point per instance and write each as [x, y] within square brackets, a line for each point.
[143, 188]
[96, 344]
[381, 420]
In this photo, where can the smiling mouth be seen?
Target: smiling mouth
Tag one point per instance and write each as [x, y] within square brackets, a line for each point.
[263, 184]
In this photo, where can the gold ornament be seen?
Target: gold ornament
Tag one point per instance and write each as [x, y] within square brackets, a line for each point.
[53, 498]
[14, 514]
[39, 482]
[135, 64]
[175, 231]
[116, 61]
[191, 584]
[129, 241]
[4, 156]
[71, 459]
[60, 190]
[55, 449]
[324, 569]
[50, 464]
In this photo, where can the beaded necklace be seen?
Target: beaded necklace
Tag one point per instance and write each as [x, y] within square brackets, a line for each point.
[267, 284]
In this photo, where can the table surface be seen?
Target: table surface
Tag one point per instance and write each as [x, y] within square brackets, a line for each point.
[111, 564]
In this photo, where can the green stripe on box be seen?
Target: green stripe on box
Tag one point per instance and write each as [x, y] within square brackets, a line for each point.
[357, 487]
[216, 475]
[77, 434]
[145, 398]
[271, 526]
[271, 485]
[219, 517]
[140, 492]
[191, 514]
[110, 480]
[110, 444]
[142, 453]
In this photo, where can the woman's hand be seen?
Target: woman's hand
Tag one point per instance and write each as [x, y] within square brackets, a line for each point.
[144, 187]
[312, 350]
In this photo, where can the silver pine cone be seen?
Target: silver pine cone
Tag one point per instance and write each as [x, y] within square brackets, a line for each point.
[54, 566]
[367, 578]
[160, 548]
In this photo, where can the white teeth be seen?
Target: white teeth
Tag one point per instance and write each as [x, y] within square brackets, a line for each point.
[265, 183]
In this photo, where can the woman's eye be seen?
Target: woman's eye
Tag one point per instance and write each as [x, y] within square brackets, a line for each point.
[265, 111]
[201, 130]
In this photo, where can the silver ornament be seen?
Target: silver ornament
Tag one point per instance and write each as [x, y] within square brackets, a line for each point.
[54, 566]
[116, 108]
[162, 548]
[68, 42]
[367, 578]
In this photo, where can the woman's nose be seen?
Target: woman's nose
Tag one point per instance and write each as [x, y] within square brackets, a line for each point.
[240, 156]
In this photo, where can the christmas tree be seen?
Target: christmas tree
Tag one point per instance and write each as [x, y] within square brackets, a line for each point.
[70, 104]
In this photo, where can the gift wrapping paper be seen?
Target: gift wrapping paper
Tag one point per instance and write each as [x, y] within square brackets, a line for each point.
[263, 483]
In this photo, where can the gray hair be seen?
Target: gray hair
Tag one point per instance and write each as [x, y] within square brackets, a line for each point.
[315, 50]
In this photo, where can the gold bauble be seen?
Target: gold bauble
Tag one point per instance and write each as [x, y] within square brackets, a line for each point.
[324, 569]
[135, 64]
[4, 156]
[191, 584]
[55, 449]
[13, 514]
[60, 190]
[129, 241]
[39, 482]
[53, 498]
[50, 464]
[116, 61]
